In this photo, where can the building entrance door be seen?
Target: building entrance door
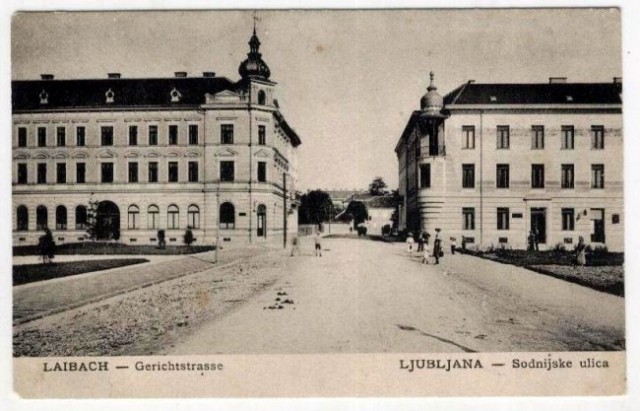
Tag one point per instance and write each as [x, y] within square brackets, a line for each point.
[107, 224]
[597, 225]
[539, 223]
[262, 221]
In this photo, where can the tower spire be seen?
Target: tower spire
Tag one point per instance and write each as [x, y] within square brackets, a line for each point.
[431, 85]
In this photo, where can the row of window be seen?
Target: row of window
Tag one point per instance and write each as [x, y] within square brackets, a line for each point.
[503, 218]
[106, 135]
[567, 137]
[567, 179]
[227, 217]
[227, 172]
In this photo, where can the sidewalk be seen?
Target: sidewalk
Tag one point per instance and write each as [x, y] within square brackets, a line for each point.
[36, 300]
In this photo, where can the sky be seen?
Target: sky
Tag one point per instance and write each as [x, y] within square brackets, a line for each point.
[347, 80]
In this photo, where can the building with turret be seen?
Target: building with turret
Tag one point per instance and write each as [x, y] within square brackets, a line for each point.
[147, 154]
[495, 162]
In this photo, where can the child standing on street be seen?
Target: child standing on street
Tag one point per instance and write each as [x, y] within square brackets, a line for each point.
[409, 243]
[453, 245]
[318, 244]
[425, 256]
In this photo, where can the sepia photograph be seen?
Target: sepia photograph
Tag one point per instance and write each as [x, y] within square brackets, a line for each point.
[279, 182]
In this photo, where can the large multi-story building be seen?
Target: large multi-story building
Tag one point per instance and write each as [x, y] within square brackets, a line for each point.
[494, 162]
[142, 155]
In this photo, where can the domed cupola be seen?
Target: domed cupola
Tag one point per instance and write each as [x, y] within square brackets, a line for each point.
[432, 102]
[254, 66]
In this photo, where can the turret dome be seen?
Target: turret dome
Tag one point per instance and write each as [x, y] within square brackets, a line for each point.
[432, 102]
[253, 66]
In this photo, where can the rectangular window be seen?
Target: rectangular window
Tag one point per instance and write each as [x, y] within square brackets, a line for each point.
[568, 137]
[106, 135]
[468, 137]
[468, 176]
[425, 175]
[262, 171]
[468, 218]
[61, 173]
[226, 134]
[597, 137]
[503, 218]
[193, 172]
[537, 137]
[153, 172]
[133, 135]
[22, 136]
[193, 134]
[153, 135]
[42, 173]
[502, 175]
[503, 137]
[262, 135]
[80, 136]
[227, 171]
[42, 136]
[22, 173]
[568, 219]
[567, 176]
[597, 176]
[537, 175]
[173, 135]
[61, 136]
[81, 171]
[133, 172]
[173, 171]
[106, 172]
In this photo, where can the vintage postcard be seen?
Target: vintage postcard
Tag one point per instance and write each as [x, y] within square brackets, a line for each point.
[318, 203]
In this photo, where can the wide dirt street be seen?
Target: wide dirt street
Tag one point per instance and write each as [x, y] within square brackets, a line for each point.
[368, 296]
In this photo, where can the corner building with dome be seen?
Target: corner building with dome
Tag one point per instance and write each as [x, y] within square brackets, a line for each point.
[491, 163]
[148, 154]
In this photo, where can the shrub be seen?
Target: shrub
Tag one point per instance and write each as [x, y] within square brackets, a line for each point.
[188, 237]
[600, 249]
[161, 239]
[559, 248]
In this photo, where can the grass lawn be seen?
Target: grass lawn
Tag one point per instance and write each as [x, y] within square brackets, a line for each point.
[604, 270]
[23, 274]
[104, 248]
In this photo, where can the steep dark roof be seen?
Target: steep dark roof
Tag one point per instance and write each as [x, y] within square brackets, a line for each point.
[138, 93]
[387, 201]
[295, 139]
[538, 93]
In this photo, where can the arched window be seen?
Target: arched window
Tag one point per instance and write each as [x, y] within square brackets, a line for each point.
[81, 217]
[41, 217]
[22, 218]
[172, 217]
[134, 217]
[61, 217]
[227, 216]
[262, 97]
[194, 216]
[153, 217]
[262, 221]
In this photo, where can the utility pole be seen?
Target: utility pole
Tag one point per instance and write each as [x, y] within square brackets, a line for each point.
[218, 227]
[284, 209]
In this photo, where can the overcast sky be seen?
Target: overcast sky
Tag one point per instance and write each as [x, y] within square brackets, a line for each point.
[348, 80]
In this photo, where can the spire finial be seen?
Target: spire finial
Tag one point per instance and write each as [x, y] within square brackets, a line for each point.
[256, 19]
[431, 85]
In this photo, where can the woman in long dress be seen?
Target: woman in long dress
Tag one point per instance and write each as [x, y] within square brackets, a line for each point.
[581, 256]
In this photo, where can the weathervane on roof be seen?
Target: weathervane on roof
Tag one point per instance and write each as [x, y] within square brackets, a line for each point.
[256, 19]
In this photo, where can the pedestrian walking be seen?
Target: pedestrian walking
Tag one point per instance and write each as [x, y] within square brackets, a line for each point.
[409, 242]
[581, 253]
[453, 245]
[531, 239]
[420, 241]
[318, 241]
[426, 236]
[536, 239]
[295, 246]
[437, 246]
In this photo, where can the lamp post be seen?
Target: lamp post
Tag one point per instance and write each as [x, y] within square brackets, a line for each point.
[215, 260]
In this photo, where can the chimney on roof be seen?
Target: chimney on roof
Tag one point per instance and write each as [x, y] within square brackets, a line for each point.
[617, 80]
[113, 75]
[46, 76]
[557, 80]
[208, 74]
[181, 74]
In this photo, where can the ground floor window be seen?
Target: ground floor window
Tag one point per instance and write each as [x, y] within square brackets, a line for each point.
[81, 217]
[22, 218]
[61, 218]
[153, 217]
[568, 219]
[468, 218]
[134, 217]
[227, 216]
[194, 216]
[41, 218]
[503, 218]
[172, 217]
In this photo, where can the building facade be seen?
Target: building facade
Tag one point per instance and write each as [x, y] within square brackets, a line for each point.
[143, 155]
[494, 162]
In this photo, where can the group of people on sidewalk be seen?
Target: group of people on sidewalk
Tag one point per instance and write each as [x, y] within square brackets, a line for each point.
[423, 246]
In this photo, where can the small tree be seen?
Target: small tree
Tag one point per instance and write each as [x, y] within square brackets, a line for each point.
[92, 219]
[46, 246]
[315, 207]
[377, 186]
[161, 239]
[188, 237]
[359, 212]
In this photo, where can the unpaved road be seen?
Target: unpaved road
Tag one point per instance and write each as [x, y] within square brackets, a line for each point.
[365, 296]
